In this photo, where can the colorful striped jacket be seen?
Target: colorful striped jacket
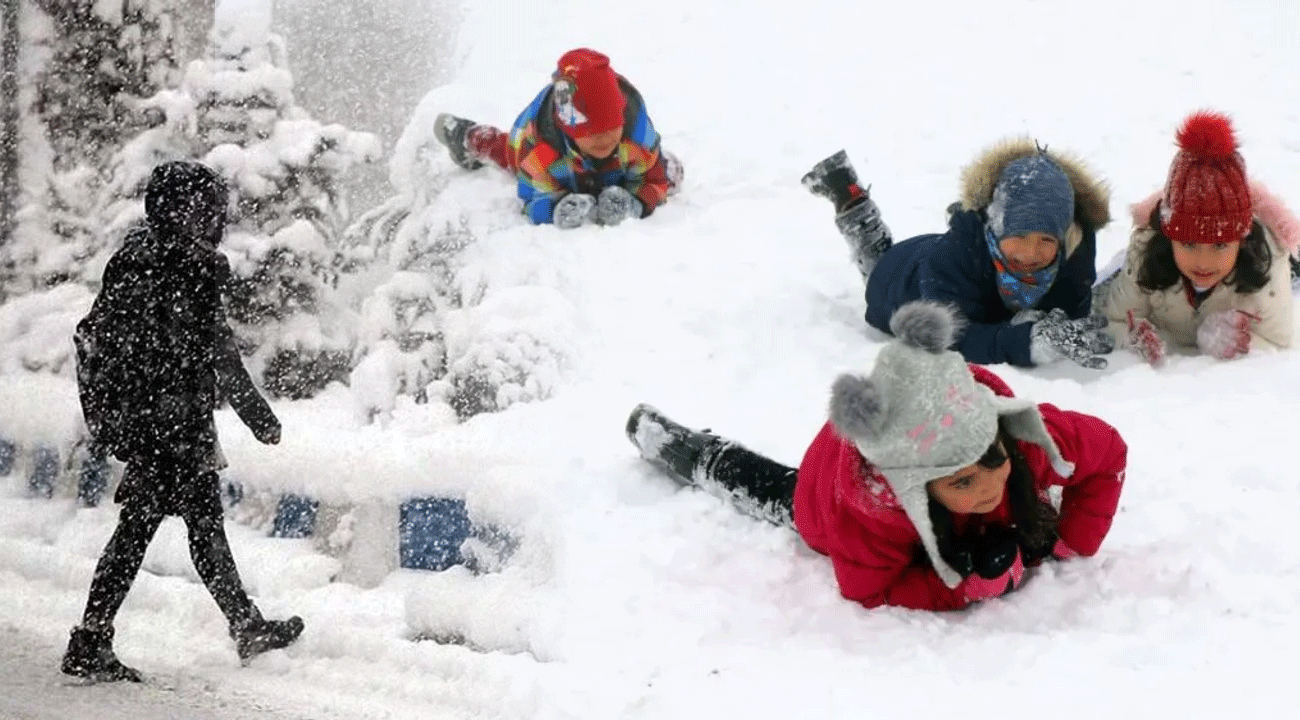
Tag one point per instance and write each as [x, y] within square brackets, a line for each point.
[549, 165]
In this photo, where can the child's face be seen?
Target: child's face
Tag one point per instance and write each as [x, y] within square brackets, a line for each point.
[600, 145]
[1029, 253]
[972, 489]
[1206, 264]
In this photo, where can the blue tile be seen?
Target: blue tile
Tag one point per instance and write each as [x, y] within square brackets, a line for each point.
[431, 533]
[8, 453]
[295, 517]
[232, 493]
[93, 479]
[44, 471]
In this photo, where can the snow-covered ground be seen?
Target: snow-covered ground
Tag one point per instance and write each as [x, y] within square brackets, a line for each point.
[733, 307]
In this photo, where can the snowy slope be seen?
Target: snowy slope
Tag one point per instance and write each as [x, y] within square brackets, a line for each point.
[733, 307]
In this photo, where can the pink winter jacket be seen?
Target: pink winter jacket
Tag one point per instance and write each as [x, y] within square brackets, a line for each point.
[844, 508]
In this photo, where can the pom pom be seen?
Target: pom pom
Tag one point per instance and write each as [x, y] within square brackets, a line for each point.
[858, 407]
[926, 325]
[1207, 134]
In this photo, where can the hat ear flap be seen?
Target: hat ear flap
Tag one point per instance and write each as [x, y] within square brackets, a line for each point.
[1027, 424]
[859, 406]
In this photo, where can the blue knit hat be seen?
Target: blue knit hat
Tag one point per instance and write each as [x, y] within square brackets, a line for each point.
[1033, 194]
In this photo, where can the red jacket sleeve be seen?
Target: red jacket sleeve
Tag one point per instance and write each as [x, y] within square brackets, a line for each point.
[844, 510]
[1091, 493]
[649, 181]
[900, 581]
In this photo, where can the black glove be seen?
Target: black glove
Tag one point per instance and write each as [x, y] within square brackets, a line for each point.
[989, 553]
[1083, 341]
[268, 434]
[573, 210]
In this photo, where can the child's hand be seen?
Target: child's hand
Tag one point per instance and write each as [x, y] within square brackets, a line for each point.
[1146, 341]
[1083, 340]
[995, 561]
[1061, 551]
[1225, 334]
[573, 210]
[268, 434]
[616, 205]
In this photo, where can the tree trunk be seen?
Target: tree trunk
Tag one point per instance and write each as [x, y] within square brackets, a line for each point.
[8, 120]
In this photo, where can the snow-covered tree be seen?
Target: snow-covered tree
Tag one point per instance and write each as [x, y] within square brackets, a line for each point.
[100, 60]
[470, 316]
[287, 214]
[235, 111]
[9, 125]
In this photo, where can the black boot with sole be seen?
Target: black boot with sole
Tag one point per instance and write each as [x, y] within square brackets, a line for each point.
[90, 655]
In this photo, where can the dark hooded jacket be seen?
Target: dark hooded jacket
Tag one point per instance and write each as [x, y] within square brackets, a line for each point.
[163, 352]
[956, 268]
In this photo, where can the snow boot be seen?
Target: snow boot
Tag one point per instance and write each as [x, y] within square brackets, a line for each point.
[453, 132]
[257, 636]
[664, 442]
[90, 655]
[835, 179]
[865, 232]
[856, 215]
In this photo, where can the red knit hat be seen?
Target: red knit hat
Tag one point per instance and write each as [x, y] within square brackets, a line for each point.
[1207, 196]
[587, 97]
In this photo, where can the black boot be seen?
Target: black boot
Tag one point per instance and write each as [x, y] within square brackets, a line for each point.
[452, 131]
[256, 636]
[865, 232]
[90, 655]
[835, 179]
[667, 443]
[757, 485]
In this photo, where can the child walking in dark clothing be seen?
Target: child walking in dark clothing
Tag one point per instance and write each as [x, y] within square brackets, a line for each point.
[152, 356]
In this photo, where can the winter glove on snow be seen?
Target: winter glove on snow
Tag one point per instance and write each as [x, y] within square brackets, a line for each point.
[1061, 551]
[573, 210]
[992, 562]
[268, 433]
[1225, 334]
[1083, 341]
[616, 205]
[1146, 341]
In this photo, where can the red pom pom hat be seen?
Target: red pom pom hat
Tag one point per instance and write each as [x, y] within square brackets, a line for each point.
[1207, 196]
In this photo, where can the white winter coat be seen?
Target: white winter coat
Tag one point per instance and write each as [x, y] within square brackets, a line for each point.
[1171, 311]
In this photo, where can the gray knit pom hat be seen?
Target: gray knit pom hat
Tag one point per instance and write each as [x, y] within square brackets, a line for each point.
[919, 415]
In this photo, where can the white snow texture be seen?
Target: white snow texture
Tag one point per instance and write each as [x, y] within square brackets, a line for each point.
[732, 307]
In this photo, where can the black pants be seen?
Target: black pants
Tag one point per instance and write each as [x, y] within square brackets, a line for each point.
[757, 485]
[137, 522]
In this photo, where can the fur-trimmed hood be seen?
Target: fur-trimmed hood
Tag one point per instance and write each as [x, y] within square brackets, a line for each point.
[1269, 209]
[1091, 195]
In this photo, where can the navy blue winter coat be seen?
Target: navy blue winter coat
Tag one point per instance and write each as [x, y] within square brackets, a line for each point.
[955, 267]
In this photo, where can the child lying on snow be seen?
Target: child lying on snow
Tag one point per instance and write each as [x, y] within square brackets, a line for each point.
[583, 151]
[928, 487]
[1018, 259]
[1208, 263]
